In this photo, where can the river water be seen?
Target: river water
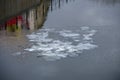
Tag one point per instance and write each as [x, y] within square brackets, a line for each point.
[78, 40]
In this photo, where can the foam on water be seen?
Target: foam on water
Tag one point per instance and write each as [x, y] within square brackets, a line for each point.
[50, 48]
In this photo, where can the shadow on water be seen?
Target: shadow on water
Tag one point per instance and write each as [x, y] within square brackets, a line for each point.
[57, 4]
[12, 7]
[14, 29]
[31, 18]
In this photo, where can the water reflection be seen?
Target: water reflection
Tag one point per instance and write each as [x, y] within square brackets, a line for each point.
[107, 2]
[30, 20]
[47, 43]
[11, 7]
[63, 35]
[57, 4]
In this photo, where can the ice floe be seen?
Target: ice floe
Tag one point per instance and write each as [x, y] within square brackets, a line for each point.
[50, 48]
[67, 33]
[89, 35]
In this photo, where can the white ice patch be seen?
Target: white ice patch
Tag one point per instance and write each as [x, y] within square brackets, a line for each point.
[51, 48]
[89, 35]
[67, 33]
